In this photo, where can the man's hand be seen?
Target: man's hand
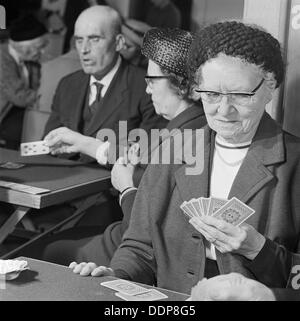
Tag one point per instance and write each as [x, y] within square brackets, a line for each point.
[244, 239]
[64, 140]
[231, 287]
[122, 175]
[86, 269]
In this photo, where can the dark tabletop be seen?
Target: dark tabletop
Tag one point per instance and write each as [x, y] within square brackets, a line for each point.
[50, 282]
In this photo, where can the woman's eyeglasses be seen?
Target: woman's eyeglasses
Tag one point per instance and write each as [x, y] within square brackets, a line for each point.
[239, 98]
[150, 79]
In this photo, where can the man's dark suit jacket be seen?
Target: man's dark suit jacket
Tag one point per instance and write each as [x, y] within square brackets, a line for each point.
[125, 99]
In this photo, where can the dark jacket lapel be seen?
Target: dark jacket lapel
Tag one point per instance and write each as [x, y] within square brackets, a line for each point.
[77, 103]
[111, 101]
[266, 149]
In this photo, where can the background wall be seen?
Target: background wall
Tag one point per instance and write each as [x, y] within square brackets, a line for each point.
[208, 11]
[291, 119]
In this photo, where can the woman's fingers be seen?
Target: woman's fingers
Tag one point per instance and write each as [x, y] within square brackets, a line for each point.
[88, 269]
[72, 265]
[214, 233]
[83, 268]
[102, 271]
[77, 269]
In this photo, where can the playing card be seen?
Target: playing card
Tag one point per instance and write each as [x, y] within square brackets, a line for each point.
[234, 212]
[34, 148]
[125, 287]
[152, 295]
[186, 210]
[191, 208]
[215, 204]
[195, 203]
[11, 165]
[205, 203]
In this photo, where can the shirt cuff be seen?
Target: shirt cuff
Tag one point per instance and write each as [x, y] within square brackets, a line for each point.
[130, 189]
[102, 153]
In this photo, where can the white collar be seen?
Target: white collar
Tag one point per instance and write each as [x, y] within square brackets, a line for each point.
[106, 80]
[221, 142]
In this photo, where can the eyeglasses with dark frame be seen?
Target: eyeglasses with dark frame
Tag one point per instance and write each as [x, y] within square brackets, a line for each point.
[240, 98]
[149, 79]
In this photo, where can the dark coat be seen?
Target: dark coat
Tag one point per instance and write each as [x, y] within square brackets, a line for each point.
[161, 247]
[106, 244]
[14, 91]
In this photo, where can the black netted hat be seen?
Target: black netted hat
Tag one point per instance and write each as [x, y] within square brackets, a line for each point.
[168, 48]
[26, 28]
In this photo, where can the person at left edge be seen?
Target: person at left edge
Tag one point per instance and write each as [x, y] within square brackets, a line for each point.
[19, 76]
[98, 41]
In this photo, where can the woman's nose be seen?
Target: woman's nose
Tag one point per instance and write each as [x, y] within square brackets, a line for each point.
[148, 89]
[225, 106]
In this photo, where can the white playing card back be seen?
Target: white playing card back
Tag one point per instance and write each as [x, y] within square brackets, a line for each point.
[125, 287]
[152, 295]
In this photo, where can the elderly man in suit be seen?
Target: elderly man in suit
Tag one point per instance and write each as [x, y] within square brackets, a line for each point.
[19, 76]
[107, 90]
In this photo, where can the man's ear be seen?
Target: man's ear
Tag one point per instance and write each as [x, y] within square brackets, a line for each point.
[120, 42]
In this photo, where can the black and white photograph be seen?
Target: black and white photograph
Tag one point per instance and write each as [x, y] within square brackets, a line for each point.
[150, 151]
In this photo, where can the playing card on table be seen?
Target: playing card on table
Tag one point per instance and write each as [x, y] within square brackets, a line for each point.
[152, 295]
[205, 204]
[34, 148]
[125, 287]
[234, 212]
[215, 204]
[11, 165]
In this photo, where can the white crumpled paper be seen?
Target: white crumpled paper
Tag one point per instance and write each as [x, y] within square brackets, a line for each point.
[9, 266]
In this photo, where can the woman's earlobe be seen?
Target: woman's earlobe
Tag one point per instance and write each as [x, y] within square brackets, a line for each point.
[271, 83]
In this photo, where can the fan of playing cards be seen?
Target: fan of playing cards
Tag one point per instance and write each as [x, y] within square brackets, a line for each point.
[231, 211]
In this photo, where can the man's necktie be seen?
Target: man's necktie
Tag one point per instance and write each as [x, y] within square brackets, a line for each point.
[34, 73]
[94, 105]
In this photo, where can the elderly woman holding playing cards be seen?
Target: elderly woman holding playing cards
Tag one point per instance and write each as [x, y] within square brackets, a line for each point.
[248, 160]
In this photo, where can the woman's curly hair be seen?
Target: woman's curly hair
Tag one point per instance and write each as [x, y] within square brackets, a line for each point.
[239, 40]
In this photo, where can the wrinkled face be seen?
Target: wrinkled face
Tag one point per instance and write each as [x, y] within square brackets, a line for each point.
[97, 45]
[32, 50]
[233, 121]
[165, 100]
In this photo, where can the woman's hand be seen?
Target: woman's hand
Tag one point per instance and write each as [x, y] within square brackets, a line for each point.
[64, 140]
[122, 175]
[133, 155]
[86, 269]
[231, 287]
[244, 239]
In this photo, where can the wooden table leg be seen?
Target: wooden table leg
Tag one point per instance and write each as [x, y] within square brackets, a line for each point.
[12, 221]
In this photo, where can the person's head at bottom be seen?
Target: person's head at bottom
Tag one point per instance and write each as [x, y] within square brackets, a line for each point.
[231, 287]
[236, 69]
